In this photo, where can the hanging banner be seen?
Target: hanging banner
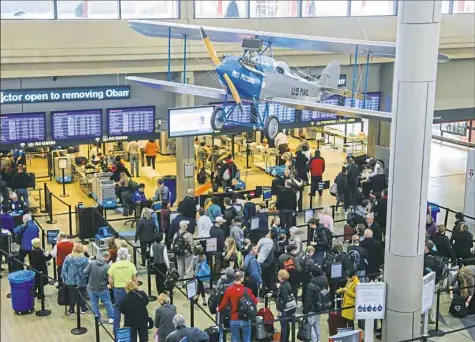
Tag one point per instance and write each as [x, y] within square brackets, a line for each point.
[15, 96]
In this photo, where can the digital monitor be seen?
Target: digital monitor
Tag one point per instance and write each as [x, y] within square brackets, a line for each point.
[131, 121]
[266, 194]
[372, 102]
[22, 128]
[191, 121]
[76, 124]
[238, 117]
[283, 113]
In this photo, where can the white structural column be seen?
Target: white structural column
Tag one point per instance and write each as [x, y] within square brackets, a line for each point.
[185, 148]
[412, 109]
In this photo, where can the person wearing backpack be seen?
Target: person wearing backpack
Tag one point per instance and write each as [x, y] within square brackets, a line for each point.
[237, 232]
[465, 278]
[306, 264]
[358, 256]
[288, 262]
[232, 256]
[316, 299]
[202, 273]
[229, 214]
[286, 304]
[182, 246]
[160, 262]
[24, 234]
[252, 271]
[321, 240]
[221, 286]
[243, 307]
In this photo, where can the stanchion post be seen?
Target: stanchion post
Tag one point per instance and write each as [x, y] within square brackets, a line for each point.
[96, 324]
[192, 312]
[171, 296]
[43, 312]
[50, 210]
[78, 330]
[436, 331]
[55, 272]
[293, 328]
[70, 218]
[333, 211]
[149, 285]
[64, 194]
[135, 256]
[45, 187]
[211, 261]
[446, 218]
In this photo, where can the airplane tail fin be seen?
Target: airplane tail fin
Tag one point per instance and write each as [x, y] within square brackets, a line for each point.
[330, 75]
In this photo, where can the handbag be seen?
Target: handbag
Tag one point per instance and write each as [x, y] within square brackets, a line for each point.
[333, 190]
[304, 333]
[291, 304]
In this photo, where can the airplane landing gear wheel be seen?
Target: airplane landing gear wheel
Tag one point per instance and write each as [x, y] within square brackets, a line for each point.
[271, 127]
[217, 119]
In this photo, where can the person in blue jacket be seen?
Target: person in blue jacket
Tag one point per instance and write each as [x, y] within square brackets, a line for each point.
[139, 195]
[27, 231]
[214, 210]
[253, 271]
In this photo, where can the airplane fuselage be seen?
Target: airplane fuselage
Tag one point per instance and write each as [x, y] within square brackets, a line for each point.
[257, 81]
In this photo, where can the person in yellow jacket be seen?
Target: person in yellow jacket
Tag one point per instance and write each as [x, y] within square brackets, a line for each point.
[349, 295]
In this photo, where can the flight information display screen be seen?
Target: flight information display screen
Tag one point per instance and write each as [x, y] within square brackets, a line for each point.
[131, 120]
[191, 121]
[22, 128]
[373, 101]
[237, 117]
[283, 113]
[76, 124]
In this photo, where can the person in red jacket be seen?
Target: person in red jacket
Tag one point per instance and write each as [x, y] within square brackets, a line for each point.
[232, 296]
[60, 251]
[317, 168]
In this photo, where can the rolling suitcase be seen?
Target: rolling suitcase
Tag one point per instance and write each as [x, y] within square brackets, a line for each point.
[335, 320]
[213, 333]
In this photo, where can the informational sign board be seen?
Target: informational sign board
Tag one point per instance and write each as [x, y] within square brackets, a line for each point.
[62, 163]
[308, 214]
[123, 335]
[370, 300]
[189, 170]
[211, 245]
[52, 236]
[428, 289]
[191, 289]
[336, 270]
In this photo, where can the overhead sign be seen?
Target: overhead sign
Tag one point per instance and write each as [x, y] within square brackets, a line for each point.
[370, 301]
[428, 289]
[14, 96]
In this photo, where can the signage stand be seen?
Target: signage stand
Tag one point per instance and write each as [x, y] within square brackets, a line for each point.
[428, 288]
[370, 304]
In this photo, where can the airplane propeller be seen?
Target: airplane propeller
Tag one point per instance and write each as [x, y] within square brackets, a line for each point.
[214, 57]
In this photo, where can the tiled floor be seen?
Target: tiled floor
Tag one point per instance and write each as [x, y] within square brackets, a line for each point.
[446, 186]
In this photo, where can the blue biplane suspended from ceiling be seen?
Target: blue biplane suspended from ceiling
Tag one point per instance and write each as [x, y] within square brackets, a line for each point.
[255, 77]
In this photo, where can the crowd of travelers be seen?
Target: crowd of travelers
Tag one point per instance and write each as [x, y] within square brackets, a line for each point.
[268, 261]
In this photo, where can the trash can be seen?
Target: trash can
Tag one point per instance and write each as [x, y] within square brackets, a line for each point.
[170, 182]
[433, 210]
[22, 289]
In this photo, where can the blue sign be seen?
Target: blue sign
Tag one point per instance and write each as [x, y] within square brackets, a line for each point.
[14, 96]
[123, 335]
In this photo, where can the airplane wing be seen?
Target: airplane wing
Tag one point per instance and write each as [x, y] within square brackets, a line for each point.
[290, 41]
[180, 88]
[340, 110]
